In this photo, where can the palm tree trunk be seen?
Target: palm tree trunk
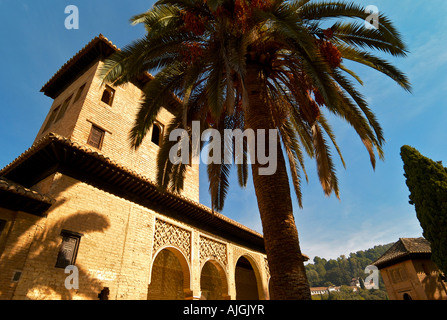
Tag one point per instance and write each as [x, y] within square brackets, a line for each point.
[288, 275]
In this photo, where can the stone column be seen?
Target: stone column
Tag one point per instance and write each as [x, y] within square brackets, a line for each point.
[231, 273]
[195, 265]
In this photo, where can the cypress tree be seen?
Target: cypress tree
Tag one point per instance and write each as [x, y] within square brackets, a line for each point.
[427, 183]
[362, 284]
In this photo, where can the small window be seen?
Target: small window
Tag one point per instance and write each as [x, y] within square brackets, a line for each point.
[96, 137]
[157, 132]
[3, 233]
[395, 275]
[398, 275]
[16, 276]
[78, 94]
[407, 297]
[63, 109]
[68, 249]
[51, 119]
[108, 95]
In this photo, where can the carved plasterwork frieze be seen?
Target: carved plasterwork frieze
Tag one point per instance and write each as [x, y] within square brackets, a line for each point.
[214, 249]
[169, 234]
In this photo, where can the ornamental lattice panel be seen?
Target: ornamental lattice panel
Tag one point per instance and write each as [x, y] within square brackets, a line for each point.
[169, 234]
[214, 249]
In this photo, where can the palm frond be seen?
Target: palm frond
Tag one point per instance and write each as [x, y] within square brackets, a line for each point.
[211, 85]
[157, 93]
[361, 102]
[295, 158]
[160, 17]
[219, 174]
[357, 35]
[325, 166]
[327, 128]
[215, 85]
[353, 116]
[351, 73]
[376, 63]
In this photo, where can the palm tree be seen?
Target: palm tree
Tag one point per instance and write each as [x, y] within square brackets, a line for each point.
[252, 64]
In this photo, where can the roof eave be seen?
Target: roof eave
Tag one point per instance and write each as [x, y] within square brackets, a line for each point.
[98, 48]
[54, 153]
[402, 258]
[18, 198]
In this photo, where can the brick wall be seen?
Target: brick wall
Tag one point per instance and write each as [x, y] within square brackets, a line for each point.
[16, 240]
[419, 278]
[116, 249]
[115, 242]
[167, 278]
[211, 282]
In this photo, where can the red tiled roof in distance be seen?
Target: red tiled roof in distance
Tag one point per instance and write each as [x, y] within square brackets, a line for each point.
[404, 249]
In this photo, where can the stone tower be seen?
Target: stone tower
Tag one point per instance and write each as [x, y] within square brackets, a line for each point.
[100, 116]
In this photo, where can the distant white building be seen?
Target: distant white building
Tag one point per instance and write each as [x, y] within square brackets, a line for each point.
[327, 290]
[355, 282]
[370, 285]
[323, 290]
[319, 290]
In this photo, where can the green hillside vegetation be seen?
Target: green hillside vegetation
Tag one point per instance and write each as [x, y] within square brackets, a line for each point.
[346, 293]
[341, 271]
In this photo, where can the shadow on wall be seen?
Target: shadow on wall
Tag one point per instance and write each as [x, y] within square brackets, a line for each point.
[434, 287]
[41, 278]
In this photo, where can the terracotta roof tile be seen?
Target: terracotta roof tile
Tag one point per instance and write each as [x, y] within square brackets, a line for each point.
[76, 58]
[55, 137]
[402, 249]
[15, 188]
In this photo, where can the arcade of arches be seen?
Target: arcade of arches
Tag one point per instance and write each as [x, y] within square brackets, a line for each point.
[188, 264]
[174, 277]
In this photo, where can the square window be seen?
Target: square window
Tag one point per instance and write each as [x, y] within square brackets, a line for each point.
[78, 94]
[108, 95]
[398, 275]
[63, 109]
[68, 249]
[96, 137]
[51, 119]
[16, 276]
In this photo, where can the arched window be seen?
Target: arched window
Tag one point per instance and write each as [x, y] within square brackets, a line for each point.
[407, 296]
[156, 133]
[108, 95]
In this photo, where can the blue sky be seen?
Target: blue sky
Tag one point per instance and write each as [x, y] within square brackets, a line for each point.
[374, 205]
